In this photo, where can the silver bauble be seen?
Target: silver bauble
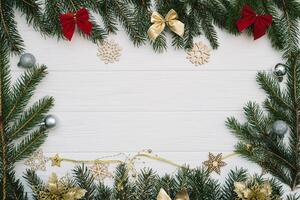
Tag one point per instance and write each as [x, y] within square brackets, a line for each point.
[280, 70]
[50, 121]
[280, 128]
[27, 60]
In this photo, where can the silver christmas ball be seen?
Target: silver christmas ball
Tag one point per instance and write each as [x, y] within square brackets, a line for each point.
[50, 121]
[27, 60]
[280, 70]
[280, 128]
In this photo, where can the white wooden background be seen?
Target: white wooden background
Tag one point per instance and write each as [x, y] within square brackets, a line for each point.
[147, 100]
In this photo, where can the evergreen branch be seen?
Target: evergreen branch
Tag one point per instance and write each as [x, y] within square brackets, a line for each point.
[85, 181]
[291, 31]
[4, 90]
[31, 118]
[293, 88]
[5, 81]
[103, 192]
[29, 144]
[271, 87]
[160, 43]
[8, 30]
[53, 8]
[23, 91]
[204, 186]
[277, 112]
[144, 185]
[126, 17]
[16, 189]
[34, 182]
[168, 183]
[105, 9]
[32, 10]
[209, 31]
[232, 177]
[123, 189]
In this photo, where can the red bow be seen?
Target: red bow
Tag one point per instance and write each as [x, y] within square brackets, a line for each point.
[249, 17]
[81, 18]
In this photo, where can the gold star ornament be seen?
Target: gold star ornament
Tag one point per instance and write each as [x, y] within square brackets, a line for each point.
[56, 160]
[214, 163]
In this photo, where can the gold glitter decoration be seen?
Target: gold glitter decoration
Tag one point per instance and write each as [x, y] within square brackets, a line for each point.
[198, 54]
[181, 195]
[59, 189]
[37, 161]
[109, 51]
[214, 163]
[254, 191]
[56, 160]
[100, 171]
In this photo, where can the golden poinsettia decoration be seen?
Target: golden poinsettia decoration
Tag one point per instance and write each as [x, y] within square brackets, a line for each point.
[256, 191]
[60, 189]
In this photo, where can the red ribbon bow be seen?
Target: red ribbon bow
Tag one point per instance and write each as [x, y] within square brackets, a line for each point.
[260, 22]
[81, 18]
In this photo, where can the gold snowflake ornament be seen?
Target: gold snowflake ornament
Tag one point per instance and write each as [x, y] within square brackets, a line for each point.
[37, 161]
[109, 51]
[100, 171]
[214, 163]
[198, 54]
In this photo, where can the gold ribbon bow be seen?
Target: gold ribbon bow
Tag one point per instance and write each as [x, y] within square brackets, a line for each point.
[181, 195]
[159, 23]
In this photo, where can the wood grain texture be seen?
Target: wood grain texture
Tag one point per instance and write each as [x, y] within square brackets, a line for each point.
[147, 100]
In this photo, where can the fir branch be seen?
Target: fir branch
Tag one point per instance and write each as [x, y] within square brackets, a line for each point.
[105, 9]
[4, 93]
[145, 183]
[31, 118]
[103, 192]
[34, 181]
[53, 8]
[270, 85]
[22, 91]
[203, 185]
[11, 39]
[29, 144]
[160, 43]
[123, 189]
[33, 13]
[237, 175]
[85, 180]
[16, 189]
[126, 18]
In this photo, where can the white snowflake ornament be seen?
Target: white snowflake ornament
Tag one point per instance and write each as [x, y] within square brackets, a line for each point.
[100, 171]
[37, 161]
[109, 51]
[198, 54]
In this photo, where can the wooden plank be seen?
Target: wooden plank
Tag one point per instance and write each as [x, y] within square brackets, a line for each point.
[133, 131]
[150, 91]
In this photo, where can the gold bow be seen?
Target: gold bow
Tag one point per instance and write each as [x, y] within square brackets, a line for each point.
[60, 190]
[181, 195]
[159, 23]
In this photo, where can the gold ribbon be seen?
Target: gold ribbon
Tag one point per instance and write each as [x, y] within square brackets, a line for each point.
[159, 23]
[181, 195]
